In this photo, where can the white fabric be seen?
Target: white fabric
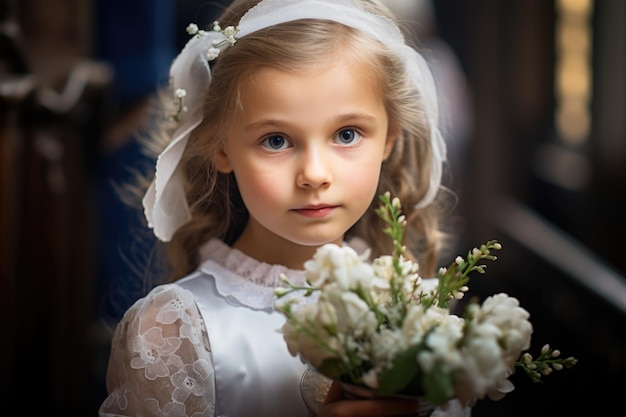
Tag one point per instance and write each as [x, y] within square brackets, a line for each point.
[165, 205]
[254, 373]
[207, 346]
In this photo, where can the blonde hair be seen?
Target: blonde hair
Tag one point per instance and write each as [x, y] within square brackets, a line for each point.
[213, 197]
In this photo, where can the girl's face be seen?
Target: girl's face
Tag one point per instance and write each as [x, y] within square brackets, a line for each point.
[306, 150]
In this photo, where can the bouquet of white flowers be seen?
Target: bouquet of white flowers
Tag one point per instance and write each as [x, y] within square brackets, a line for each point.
[380, 326]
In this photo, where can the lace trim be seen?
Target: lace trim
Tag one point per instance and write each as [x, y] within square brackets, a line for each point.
[242, 279]
[237, 262]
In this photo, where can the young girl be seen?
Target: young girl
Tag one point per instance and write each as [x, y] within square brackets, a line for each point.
[290, 117]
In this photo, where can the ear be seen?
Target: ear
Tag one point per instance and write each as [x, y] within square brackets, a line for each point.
[222, 162]
[392, 136]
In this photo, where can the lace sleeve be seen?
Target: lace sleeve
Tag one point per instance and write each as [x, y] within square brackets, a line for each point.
[160, 362]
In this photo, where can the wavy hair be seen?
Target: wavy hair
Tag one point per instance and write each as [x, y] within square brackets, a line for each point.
[216, 206]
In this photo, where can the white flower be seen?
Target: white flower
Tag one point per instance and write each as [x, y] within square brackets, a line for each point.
[308, 347]
[229, 34]
[180, 94]
[192, 29]
[442, 341]
[385, 346]
[383, 267]
[340, 265]
[378, 324]
[212, 53]
[354, 312]
[501, 388]
[505, 313]
[480, 368]
[327, 316]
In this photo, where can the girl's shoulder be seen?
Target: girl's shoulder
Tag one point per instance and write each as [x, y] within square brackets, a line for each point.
[162, 306]
[162, 295]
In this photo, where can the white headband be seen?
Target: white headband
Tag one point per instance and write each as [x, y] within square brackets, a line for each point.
[165, 204]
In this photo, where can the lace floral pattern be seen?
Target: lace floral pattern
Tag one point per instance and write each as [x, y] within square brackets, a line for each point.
[161, 360]
[246, 268]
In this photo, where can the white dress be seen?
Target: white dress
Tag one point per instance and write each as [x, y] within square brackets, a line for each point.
[209, 345]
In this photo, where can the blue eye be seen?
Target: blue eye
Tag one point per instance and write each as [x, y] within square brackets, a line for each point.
[348, 137]
[275, 143]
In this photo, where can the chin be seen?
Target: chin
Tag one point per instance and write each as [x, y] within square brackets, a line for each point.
[316, 243]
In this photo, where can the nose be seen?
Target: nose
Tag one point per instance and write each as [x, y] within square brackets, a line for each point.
[314, 168]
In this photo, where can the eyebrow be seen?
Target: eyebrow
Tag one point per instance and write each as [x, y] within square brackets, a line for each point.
[343, 118]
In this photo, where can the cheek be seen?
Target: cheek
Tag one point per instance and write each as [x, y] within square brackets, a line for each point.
[259, 189]
[361, 179]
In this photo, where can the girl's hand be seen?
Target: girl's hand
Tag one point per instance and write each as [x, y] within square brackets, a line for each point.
[337, 405]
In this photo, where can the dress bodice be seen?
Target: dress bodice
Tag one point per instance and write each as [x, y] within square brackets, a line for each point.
[254, 373]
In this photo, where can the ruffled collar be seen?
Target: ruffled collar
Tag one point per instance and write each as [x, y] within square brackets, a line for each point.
[242, 279]
[235, 261]
[246, 281]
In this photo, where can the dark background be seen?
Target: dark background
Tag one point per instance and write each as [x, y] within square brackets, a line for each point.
[75, 76]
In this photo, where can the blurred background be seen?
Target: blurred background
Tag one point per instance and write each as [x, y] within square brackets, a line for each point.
[533, 99]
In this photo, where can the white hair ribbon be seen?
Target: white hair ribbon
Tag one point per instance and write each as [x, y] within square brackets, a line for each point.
[165, 204]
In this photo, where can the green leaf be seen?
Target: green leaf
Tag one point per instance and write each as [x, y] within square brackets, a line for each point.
[403, 370]
[438, 386]
[333, 368]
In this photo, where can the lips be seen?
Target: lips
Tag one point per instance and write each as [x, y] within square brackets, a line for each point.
[316, 211]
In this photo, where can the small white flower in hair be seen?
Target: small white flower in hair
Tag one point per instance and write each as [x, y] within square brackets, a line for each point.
[192, 29]
[229, 33]
[180, 93]
[212, 53]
